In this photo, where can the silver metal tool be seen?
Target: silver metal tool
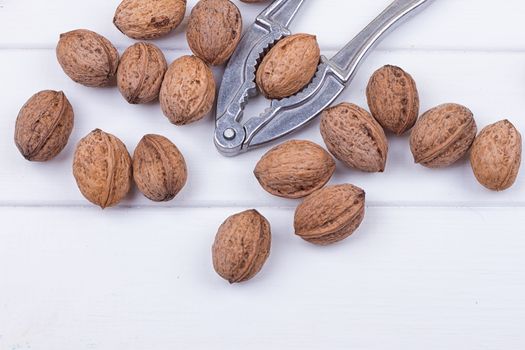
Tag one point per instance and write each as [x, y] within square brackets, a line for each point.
[232, 136]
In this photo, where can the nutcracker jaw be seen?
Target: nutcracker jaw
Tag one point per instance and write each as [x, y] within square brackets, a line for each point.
[284, 116]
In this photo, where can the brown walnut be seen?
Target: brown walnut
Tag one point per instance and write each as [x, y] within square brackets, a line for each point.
[159, 169]
[44, 125]
[241, 246]
[443, 135]
[188, 90]
[393, 99]
[330, 214]
[147, 19]
[289, 66]
[294, 169]
[140, 73]
[496, 156]
[214, 30]
[354, 137]
[88, 58]
[102, 168]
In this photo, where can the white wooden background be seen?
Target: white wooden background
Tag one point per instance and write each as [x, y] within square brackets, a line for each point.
[439, 262]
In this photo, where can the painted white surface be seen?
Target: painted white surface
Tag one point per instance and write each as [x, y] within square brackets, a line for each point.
[437, 264]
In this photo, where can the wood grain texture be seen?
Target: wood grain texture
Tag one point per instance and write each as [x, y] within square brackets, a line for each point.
[100, 280]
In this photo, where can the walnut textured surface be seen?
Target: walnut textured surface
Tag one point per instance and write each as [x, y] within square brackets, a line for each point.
[393, 99]
[44, 125]
[147, 19]
[289, 66]
[330, 214]
[102, 168]
[354, 137]
[214, 30]
[443, 135]
[241, 246]
[159, 169]
[87, 58]
[140, 73]
[188, 90]
[496, 155]
[294, 169]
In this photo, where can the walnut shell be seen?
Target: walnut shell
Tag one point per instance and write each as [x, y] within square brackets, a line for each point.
[354, 137]
[330, 214]
[102, 168]
[496, 156]
[146, 19]
[241, 246]
[214, 30]
[289, 66]
[140, 73]
[393, 99]
[44, 125]
[294, 169]
[188, 90]
[443, 135]
[159, 169]
[87, 57]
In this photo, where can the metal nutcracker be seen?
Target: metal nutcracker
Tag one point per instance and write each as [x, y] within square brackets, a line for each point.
[232, 135]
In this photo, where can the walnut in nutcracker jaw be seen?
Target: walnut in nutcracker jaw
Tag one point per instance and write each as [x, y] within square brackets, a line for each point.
[289, 66]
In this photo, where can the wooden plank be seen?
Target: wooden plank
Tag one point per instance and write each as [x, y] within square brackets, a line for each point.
[444, 77]
[471, 24]
[142, 279]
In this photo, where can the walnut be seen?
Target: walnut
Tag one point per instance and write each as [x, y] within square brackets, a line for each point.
[88, 58]
[214, 30]
[330, 214]
[443, 135]
[294, 169]
[140, 73]
[102, 168]
[188, 90]
[146, 19]
[44, 125]
[159, 168]
[241, 246]
[289, 66]
[496, 156]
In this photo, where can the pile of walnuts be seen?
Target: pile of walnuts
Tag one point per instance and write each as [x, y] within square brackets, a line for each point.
[104, 170]
[102, 166]
[295, 169]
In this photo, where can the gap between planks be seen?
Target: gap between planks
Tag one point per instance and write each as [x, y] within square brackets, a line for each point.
[240, 205]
